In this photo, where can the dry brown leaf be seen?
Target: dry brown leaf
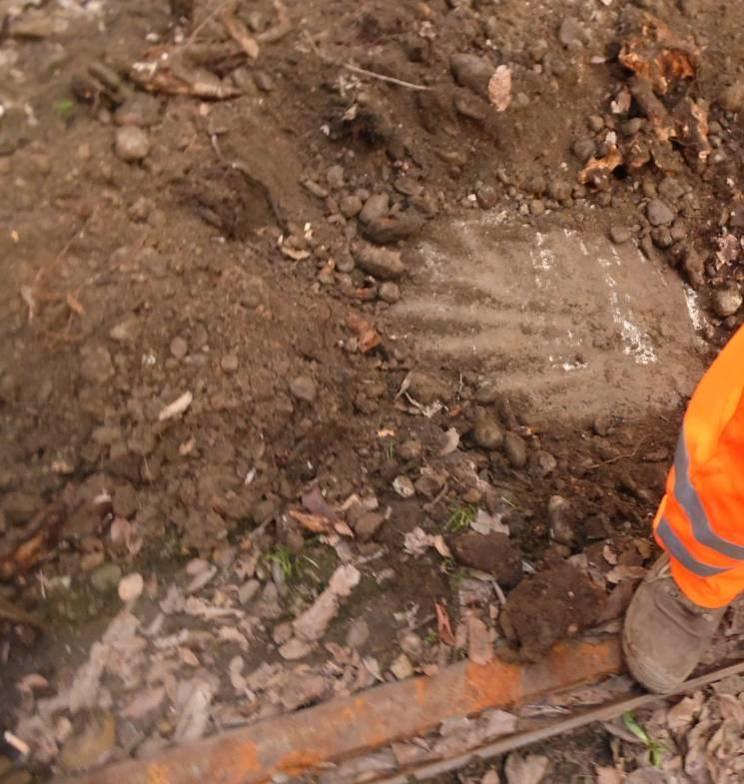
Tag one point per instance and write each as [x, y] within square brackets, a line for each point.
[680, 717]
[480, 650]
[622, 572]
[525, 770]
[444, 625]
[317, 524]
[367, 336]
[74, 305]
[610, 776]
[238, 31]
[599, 166]
[155, 77]
[500, 88]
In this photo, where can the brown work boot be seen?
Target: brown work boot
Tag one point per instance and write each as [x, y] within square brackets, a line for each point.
[665, 634]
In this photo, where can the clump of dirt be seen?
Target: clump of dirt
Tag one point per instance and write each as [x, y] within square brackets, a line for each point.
[544, 608]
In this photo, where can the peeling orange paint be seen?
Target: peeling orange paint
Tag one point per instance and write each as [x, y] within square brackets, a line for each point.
[350, 726]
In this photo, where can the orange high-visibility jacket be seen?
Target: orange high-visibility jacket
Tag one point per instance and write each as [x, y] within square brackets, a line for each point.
[700, 521]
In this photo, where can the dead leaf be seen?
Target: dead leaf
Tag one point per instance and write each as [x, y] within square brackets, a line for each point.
[610, 776]
[417, 542]
[143, 703]
[486, 523]
[680, 717]
[451, 442]
[444, 625]
[622, 572]
[500, 88]
[316, 504]
[238, 31]
[609, 555]
[658, 56]
[177, 407]
[525, 770]
[480, 650]
[157, 77]
[367, 336]
[600, 166]
[318, 524]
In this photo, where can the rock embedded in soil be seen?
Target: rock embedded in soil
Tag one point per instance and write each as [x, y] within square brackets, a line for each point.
[358, 633]
[19, 507]
[106, 578]
[392, 228]
[570, 33]
[368, 525]
[584, 149]
[138, 109]
[229, 363]
[659, 213]
[620, 234]
[381, 263]
[96, 367]
[515, 448]
[731, 98]
[562, 521]
[179, 347]
[426, 388]
[727, 301]
[488, 433]
[410, 450]
[375, 207]
[389, 292]
[131, 144]
[472, 72]
[303, 388]
[493, 553]
[350, 206]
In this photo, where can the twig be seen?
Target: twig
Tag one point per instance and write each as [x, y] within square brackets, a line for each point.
[521, 739]
[390, 79]
[362, 71]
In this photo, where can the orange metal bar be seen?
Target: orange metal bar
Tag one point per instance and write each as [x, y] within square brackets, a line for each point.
[351, 725]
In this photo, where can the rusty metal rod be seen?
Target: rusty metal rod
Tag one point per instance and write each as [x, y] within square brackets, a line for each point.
[518, 740]
[348, 726]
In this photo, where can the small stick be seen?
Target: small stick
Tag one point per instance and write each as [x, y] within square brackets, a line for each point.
[390, 79]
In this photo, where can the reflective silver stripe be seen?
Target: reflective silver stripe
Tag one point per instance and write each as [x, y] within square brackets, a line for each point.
[676, 549]
[689, 500]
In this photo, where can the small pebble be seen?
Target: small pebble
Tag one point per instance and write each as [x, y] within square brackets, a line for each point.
[303, 388]
[229, 363]
[515, 448]
[727, 301]
[619, 234]
[659, 213]
[179, 347]
[131, 587]
[131, 143]
[389, 292]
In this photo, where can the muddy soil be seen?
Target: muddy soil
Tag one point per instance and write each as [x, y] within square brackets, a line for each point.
[289, 288]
